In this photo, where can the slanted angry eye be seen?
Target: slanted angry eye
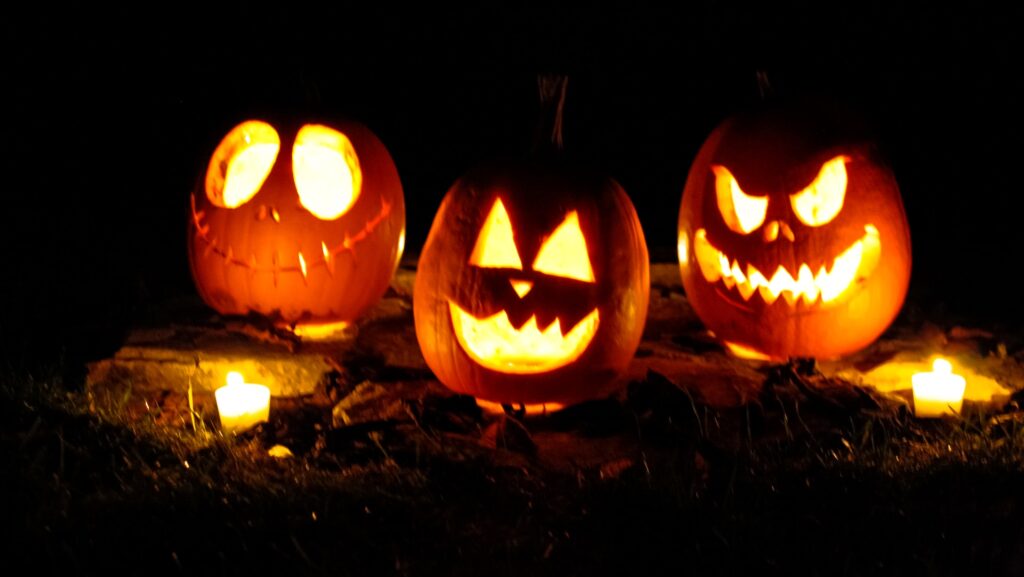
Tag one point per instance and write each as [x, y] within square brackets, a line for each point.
[241, 163]
[742, 212]
[564, 253]
[822, 200]
[326, 171]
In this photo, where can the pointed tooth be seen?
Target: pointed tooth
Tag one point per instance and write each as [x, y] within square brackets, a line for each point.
[805, 284]
[746, 290]
[790, 297]
[729, 281]
[723, 264]
[737, 273]
[767, 294]
[754, 276]
[554, 330]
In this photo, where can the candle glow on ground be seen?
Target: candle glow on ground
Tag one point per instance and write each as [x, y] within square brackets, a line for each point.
[242, 405]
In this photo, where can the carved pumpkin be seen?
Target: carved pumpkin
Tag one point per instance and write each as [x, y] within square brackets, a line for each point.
[301, 223]
[793, 241]
[532, 287]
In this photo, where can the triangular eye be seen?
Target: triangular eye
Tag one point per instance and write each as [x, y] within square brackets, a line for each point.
[326, 171]
[241, 163]
[564, 253]
[496, 247]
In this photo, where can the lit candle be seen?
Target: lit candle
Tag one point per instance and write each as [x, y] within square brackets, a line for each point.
[938, 393]
[242, 405]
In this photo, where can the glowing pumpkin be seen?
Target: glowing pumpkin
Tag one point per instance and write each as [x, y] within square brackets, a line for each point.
[533, 284]
[793, 241]
[304, 225]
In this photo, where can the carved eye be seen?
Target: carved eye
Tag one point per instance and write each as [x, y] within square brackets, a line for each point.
[564, 253]
[240, 164]
[326, 171]
[496, 247]
[742, 213]
[822, 200]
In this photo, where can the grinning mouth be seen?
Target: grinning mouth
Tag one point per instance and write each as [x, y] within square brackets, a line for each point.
[325, 257]
[825, 286]
[495, 344]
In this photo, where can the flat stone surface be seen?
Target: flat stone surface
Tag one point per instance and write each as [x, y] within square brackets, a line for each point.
[377, 362]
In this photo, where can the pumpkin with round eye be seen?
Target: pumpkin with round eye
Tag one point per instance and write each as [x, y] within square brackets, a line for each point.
[793, 241]
[303, 224]
[532, 287]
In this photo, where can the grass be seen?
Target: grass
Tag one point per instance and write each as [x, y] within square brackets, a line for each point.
[787, 485]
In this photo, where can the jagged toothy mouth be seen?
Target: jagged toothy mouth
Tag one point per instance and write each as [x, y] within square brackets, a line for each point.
[820, 288]
[303, 263]
[492, 342]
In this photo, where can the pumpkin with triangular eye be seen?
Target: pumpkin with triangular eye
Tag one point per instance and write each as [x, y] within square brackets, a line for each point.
[793, 241]
[301, 223]
[532, 287]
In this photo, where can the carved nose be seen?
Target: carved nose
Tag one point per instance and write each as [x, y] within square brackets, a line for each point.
[773, 229]
[522, 287]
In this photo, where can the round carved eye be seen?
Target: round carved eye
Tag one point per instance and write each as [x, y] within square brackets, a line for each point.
[822, 200]
[326, 171]
[742, 213]
[240, 164]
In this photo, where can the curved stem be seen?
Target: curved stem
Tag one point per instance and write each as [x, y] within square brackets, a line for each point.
[552, 89]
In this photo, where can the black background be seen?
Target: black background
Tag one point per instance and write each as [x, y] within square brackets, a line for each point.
[110, 114]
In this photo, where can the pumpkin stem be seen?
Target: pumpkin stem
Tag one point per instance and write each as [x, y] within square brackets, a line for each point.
[552, 102]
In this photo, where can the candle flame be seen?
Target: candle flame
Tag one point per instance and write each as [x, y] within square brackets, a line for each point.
[235, 378]
[942, 366]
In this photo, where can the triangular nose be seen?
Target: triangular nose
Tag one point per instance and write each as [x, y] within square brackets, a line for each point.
[522, 287]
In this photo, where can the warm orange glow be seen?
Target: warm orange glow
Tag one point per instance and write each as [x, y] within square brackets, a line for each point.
[495, 344]
[564, 253]
[522, 287]
[745, 352]
[241, 163]
[820, 202]
[496, 245]
[322, 331]
[529, 409]
[742, 213]
[857, 262]
[684, 249]
[326, 171]
[242, 405]
[938, 393]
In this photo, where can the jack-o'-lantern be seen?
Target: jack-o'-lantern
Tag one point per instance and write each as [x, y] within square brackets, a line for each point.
[301, 223]
[793, 241]
[532, 287]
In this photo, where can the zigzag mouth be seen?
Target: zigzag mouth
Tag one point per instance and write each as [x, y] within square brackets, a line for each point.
[493, 343]
[826, 286]
[304, 263]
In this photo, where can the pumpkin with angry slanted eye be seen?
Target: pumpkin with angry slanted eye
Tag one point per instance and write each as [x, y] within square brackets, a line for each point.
[793, 241]
[302, 223]
[532, 287]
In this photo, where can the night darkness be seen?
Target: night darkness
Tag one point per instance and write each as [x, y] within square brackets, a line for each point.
[110, 116]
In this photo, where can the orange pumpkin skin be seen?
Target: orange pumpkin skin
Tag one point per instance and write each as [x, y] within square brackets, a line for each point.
[778, 153]
[273, 257]
[537, 197]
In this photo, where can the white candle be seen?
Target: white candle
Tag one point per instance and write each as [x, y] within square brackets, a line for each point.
[938, 393]
[242, 405]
